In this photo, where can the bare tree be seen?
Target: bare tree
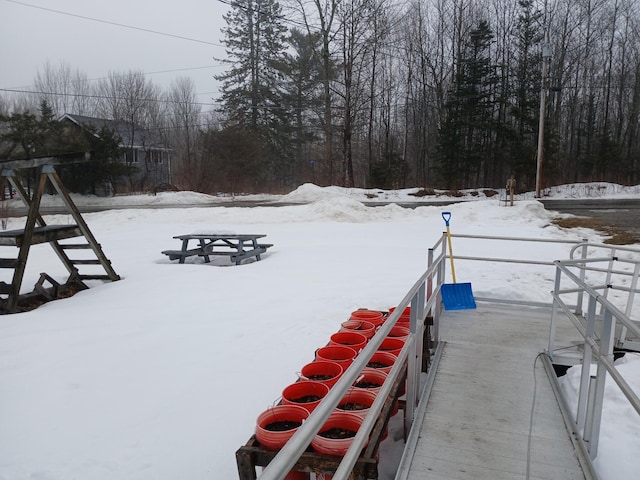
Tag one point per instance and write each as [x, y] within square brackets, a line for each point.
[135, 101]
[320, 16]
[184, 122]
[65, 90]
[354, 36]
[53, 84]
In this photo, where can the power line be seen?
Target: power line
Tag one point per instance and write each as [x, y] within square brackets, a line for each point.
[107, 22]
[99, 97]
[22, 88]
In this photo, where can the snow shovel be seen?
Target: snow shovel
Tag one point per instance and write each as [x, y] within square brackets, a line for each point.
[455, 296]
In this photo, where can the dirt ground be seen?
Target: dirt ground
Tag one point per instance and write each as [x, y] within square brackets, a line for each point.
[621, 225]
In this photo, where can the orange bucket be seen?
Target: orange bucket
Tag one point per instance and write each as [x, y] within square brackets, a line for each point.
[340, 354]
[277, 425]
[355, 340]
[370, 379]
[405, 315]
[367, 329]
[336, 435]
[391, 345]
[382, 361]
[372, 316]
[322, 371]
[305, 393]
[357, 401]
[399, 331]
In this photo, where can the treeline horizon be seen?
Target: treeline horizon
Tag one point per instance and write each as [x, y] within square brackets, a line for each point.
[435, 93]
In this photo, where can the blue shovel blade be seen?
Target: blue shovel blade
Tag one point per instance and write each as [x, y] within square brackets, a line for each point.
[457, 296]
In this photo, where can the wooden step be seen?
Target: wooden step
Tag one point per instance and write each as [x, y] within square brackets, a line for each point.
[85, 262]
[48, 233]
[94, 277]
[8, 262]
[75, 246]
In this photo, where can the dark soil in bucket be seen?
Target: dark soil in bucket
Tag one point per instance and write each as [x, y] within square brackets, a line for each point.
[377, 365]
[337, 433]
[364, 384]
[282, 426]
[352, 406]
[320, 377]
[306, 399]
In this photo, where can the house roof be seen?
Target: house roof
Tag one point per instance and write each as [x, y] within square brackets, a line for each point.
[132, 136]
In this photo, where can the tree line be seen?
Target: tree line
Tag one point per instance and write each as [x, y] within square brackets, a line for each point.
[372, 93]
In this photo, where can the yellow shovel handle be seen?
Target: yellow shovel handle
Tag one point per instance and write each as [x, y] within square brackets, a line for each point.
[453, 270]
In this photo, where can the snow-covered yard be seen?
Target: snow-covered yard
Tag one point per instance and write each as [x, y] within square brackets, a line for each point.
[163, 374]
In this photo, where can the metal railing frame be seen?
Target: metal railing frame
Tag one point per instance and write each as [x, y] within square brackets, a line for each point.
[598, 344]
[632, 289]
[424, 298]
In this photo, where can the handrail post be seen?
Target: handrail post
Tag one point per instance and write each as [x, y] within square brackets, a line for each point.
[443, 266]
[414, 357]
[606, 350]
[630, 299]
[607, 281]
[584, 252]
[587, 436]
[411, 368]
[554, 313]
[430, 278]
[429, 292]
[586, 364]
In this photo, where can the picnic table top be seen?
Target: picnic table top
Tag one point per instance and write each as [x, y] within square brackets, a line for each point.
[221, 236]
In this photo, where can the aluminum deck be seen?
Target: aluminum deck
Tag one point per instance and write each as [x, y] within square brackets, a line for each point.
[477, 419]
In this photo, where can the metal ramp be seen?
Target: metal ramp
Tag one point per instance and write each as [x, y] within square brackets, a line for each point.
[490, 389]
[36, 231]
[491, 407]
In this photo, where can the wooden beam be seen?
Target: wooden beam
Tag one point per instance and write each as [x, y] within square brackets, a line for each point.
[41, 161]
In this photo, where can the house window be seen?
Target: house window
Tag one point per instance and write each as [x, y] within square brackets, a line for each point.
[157, 156]
[130, 156]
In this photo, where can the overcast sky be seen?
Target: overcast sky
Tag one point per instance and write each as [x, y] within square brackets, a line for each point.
[32, 33]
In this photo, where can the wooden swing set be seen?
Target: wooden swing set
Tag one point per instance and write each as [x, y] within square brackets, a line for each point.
[36, 231]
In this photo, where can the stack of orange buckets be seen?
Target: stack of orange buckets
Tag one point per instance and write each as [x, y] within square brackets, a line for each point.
[276, 425]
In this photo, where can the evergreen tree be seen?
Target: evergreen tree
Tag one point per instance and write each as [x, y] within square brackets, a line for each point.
[303, 90]
[254, 41]
[104, 168]
[251, 89]
[26, 136]
[465, 135]
[29, 135]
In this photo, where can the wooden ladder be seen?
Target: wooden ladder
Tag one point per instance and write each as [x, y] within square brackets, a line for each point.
[37, 231]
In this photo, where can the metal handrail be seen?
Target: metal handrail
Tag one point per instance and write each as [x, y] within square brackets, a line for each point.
[591, 292]
[351, 456]
[608, 285]
[289, 454]
[424, 297]
[522, 261]
[598, 347]
[517, 239]
[612, 248]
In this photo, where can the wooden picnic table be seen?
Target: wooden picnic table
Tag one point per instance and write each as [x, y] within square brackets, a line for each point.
[238, 247]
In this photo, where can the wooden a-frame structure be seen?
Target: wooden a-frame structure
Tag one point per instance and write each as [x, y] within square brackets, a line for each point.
[36, 231]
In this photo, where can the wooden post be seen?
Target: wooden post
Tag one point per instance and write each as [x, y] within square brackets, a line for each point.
[511, 189]
[18, 274]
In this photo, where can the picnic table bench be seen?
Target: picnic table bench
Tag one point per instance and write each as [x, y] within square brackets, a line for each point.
[238, 247]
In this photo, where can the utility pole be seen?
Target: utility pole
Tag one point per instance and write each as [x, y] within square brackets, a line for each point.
[547, 51]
